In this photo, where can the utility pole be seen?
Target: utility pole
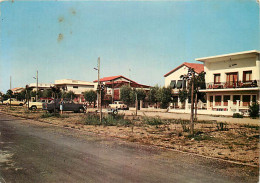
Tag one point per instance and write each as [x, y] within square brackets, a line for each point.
[10, 91]
[192, 105]
[37, 86]
[99, 93]
[136, 103]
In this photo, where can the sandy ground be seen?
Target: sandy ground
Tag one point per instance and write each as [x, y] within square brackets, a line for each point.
[238, 142]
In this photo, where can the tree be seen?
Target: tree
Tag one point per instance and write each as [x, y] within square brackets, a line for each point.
[125, 94]
[70, 95]
[254, 110]
[90, 96]
[9, 93]
[47, 93]
[183, 95]
[166, 96]
[152, 95]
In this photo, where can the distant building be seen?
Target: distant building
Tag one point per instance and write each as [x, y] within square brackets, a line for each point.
[77, 86]
[17, 90]
[173, 79]
[114, 83]
[41, 86]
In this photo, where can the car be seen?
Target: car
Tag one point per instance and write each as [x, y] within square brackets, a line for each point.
[67, 106]
[118, 105]
[13, 101]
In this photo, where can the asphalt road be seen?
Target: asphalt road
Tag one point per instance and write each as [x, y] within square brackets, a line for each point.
[34, 152]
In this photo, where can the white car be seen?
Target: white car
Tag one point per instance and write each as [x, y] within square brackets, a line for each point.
[13, 101]
[118, 105]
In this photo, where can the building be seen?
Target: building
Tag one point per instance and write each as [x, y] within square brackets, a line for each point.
[41, 86]
[17, 90]
[232, 81]
[173, 79]
[77, 86]
[114, 83]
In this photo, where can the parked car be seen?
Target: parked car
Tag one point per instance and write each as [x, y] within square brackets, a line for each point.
[35, 105]
[118, 105]
[13, 101]
[67, 106]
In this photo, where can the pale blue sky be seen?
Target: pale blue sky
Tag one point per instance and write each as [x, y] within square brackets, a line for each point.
[148, 37]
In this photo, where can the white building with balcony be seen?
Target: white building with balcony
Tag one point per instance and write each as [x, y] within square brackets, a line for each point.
[232, 81]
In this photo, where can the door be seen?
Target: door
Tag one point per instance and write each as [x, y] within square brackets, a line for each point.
[232, 79]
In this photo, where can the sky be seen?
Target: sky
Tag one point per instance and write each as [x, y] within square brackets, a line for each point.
[142, 40]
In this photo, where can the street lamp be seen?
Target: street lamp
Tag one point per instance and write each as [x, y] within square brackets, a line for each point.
[36, 85]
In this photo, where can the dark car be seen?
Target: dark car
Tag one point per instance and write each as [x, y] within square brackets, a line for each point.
[67, 106]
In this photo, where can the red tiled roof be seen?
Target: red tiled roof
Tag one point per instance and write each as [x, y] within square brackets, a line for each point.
[198, 68]
[111, 78]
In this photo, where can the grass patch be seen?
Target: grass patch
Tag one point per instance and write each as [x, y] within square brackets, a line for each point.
[251, 126]
[152, 120]
[57, 115]
[108, 120]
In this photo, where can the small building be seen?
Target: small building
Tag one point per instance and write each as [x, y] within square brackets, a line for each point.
[77, 86]
[114, 83]
[173, 79]
[232, 81]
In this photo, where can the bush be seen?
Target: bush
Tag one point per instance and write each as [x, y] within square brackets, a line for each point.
[254, 110]
[153, 120]
[237, 115]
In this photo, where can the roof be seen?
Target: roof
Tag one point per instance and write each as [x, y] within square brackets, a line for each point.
[198, 68]
[230, 55]
[17, 88]
[111, 78]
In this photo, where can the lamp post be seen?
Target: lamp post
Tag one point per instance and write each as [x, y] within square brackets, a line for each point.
[36, 85]
[99, 92]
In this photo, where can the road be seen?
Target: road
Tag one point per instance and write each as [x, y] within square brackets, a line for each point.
[31, 151]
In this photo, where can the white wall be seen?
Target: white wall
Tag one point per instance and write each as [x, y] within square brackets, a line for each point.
[175, 75]
[227, 66]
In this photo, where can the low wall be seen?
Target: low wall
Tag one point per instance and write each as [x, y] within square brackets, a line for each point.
[149, 109]
[207, 112]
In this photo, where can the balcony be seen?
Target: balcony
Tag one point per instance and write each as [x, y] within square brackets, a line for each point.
[233, 84]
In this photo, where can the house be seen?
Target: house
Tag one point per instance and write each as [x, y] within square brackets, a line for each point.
[77, 86]
[232, 81]
[114, 83]
[173, 79]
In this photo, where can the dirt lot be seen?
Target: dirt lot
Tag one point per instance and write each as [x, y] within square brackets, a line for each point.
[236, 142]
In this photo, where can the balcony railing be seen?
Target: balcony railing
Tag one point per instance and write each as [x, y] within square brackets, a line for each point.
[233, 84]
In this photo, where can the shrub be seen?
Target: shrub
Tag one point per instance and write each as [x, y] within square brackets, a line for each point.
[254, 110]
[237, 115]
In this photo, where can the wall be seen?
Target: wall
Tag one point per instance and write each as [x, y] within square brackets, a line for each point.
[175, 75]
[224, 67]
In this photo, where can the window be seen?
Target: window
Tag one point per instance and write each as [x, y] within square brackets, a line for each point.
[216, 78]
[210, 101]
[179, 84]
[253, 98]
[226, 99]
[247, 76]
[173, 83]
[235, 98]
[218, 100]
[75, 87]
[232, 79]
[246, 100]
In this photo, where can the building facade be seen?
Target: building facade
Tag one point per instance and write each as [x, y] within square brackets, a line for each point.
[77, 86]
[232, 81]
[173, 79]
[114, 83]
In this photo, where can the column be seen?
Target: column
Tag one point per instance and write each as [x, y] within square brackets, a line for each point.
[237, 106]
[213, 105]
[222, 100]
[208, 101]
